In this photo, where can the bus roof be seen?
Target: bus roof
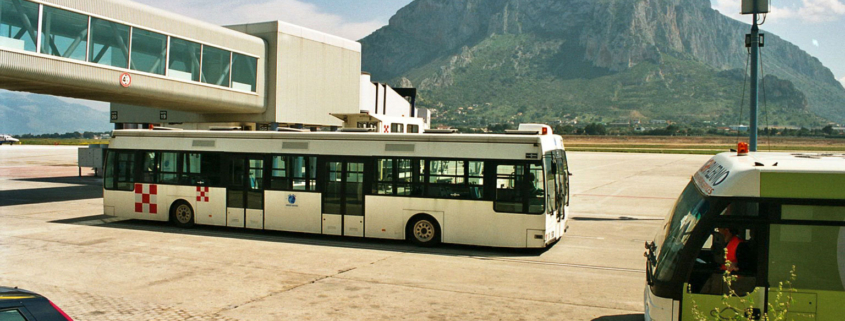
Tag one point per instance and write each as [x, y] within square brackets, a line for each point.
[339, 142]
[774, 175]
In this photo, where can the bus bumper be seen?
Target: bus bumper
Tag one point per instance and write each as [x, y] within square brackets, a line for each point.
[656, 308]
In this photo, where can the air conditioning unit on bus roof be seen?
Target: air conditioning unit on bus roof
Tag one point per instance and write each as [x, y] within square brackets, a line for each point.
[531, 129]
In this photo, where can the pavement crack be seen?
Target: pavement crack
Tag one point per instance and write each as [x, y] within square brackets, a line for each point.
[313, 281]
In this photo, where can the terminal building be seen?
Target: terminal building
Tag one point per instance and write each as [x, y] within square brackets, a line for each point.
[161, 69]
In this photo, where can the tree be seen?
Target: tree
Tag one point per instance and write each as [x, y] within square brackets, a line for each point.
[595, 129]
[828, 130]
[803, 132]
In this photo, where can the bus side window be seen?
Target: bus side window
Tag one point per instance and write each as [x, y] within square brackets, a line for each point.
[191, 166]
[168, 168]
[536, 190]
[148, 167]
[476, 180]
[519, 189]
[109, 173]
[120, 169]
[508, 195]
[303, 172]
[383, 177]
[210, 171]
[279, 179]
[816, 250]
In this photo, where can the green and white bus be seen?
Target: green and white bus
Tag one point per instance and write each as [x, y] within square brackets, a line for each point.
[765, 213]
[489, 190]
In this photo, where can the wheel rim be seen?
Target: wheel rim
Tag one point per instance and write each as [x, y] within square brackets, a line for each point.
[424, 231]
[183, 214]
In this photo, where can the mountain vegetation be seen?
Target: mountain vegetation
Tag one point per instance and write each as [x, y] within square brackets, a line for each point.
[477, 62]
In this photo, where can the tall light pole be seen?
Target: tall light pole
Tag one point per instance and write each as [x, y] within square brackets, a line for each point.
[755, 55]
[754, 42]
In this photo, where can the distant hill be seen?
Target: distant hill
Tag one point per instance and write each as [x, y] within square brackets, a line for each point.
[594, 60]
[23, 113]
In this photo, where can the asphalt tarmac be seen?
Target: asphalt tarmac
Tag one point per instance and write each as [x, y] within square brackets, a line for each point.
[54, 240]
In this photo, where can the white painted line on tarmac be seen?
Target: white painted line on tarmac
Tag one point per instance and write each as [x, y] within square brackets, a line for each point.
[582, 266]
[585, 237]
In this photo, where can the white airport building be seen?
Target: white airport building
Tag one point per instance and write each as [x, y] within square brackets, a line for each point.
[157, 68]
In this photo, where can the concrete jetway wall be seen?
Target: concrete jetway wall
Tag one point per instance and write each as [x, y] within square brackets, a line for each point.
[35, 71]
[310, 73]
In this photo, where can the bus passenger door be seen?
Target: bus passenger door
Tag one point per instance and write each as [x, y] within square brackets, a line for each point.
[245, 192]
[343, 197]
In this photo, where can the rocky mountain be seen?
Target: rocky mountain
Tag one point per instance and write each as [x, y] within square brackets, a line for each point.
[482, 61]
[22, 113]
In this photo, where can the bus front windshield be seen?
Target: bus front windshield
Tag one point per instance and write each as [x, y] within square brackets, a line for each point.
[679, 226]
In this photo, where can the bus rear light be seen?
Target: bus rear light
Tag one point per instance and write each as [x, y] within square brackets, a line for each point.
[742, 149]
[545, 130]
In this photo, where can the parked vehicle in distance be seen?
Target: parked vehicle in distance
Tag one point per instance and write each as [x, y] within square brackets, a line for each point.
[22, 305]
[8, 139]
[762, 216]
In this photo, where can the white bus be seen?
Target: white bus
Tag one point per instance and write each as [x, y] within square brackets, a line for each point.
[488, 190]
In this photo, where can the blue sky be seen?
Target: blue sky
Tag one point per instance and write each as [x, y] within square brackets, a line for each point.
[816, 26]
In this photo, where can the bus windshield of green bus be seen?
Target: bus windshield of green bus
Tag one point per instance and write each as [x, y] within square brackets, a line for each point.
[685, 216]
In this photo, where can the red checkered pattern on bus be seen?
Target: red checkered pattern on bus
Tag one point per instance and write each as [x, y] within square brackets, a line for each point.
[202, 194]
[145, 198]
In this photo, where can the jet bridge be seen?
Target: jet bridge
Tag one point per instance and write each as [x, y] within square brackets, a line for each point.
[147, 61]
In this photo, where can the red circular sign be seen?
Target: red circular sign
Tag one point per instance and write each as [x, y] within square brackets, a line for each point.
[125, 79]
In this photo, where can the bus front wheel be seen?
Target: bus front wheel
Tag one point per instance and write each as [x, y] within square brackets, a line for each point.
[424, 231]
[181, 214]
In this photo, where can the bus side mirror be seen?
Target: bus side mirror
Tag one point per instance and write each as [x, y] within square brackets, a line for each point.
[570, 173]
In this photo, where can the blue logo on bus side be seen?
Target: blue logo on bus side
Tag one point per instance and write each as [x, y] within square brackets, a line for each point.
[291, 199]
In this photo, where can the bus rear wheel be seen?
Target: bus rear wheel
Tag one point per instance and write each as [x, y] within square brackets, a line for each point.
[182, 214]
[424, 231]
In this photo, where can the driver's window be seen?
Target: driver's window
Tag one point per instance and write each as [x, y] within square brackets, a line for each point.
[731, 248]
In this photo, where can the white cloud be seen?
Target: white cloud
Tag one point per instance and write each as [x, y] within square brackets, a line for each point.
[821, 10]
[811, 11]
[96, 105]
[292, 11]
[815, 42]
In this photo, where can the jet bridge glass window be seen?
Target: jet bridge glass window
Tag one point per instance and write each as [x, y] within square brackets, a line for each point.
[243, 72]
[184, 59]
[64, 34]
[149, 50]
[18, 24]
[109, 43]
[215, 66]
